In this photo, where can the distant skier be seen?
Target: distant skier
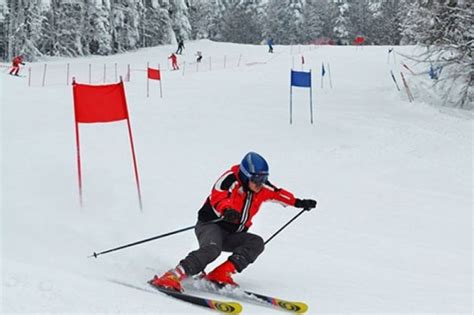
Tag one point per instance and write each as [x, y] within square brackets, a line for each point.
[16, 62]
[179, 51]
[235, 198]
[174, 61]
[270, 45]
[199, 56]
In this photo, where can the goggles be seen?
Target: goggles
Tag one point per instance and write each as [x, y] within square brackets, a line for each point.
[259, 179]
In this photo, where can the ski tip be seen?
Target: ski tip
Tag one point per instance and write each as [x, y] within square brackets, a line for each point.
[227, 307]
[295, 307]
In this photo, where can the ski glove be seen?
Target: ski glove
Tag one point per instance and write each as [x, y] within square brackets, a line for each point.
[231, 216]
[306, 204]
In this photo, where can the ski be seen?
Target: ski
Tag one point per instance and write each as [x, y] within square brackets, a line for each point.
[249, 296]
[291, 306]
[221, 306]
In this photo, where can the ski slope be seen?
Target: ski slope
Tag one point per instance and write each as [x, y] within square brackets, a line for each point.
[392, 232]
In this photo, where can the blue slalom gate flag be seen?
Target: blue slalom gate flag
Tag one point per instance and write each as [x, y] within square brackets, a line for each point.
[300, 78]
[323, 71]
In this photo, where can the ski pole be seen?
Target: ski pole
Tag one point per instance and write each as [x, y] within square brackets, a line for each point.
[284, 226]
[150, 239]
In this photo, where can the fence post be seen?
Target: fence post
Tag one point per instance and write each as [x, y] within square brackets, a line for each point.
[67, 74]
[44, 74]
[147, 80]
[161, 89]
[329, 73]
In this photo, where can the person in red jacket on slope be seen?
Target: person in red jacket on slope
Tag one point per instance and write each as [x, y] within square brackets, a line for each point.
[235, 199]
[174, 61]
[16, 62]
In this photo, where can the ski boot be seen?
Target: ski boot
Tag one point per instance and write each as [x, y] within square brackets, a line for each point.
[222, 274]
[170, 279]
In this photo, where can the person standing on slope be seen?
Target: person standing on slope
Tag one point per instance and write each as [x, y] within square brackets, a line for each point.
[174, 61]
[235, 199]
[16, 62]
[270, 45]
[179, 51]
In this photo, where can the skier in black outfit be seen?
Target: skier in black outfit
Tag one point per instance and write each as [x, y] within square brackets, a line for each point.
[179, 51]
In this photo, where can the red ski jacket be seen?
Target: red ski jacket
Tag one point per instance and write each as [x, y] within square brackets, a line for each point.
[17, 61]
[173, 58]
[230, 192]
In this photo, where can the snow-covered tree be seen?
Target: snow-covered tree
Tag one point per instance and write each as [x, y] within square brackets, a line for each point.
[313, 19]
[446, 29]
[284, 21]
[360, 19]
[155, 24]
[329, 13]
[97, 38]
[178, 13]
[202, 15]
[22, 28]
[125, 24]
[341, 23]
[241, 22]
[386, 28]
[64, 28]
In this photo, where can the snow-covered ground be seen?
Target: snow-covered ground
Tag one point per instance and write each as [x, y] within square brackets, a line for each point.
[392, 232]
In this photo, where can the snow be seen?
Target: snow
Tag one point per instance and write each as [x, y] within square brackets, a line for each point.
[392, 232]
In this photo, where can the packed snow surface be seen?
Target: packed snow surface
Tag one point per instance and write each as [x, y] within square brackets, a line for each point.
[392, 232]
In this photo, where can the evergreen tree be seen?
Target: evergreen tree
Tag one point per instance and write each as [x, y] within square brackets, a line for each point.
[329, 14]
[125, 24]
[312, 20]
[97, 38]
[22, 27]
[447, 31]
[3, 32]
[284, 21]
[64, 26]
[31, 35]
[178, 13]
[341, 23]
[155, 25]
[386, 28]
[241, 22]
[201, 18]
[360, 20]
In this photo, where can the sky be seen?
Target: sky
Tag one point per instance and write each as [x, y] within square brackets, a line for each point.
[392, 232]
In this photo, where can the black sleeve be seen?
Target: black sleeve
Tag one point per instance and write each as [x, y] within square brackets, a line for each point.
[228, 181]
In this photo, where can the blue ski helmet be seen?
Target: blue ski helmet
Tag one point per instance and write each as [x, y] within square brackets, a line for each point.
[253, 168]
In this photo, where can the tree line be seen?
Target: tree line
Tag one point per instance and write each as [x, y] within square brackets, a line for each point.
[37, 28]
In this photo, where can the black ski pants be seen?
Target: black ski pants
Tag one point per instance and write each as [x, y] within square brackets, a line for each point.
[213, 240]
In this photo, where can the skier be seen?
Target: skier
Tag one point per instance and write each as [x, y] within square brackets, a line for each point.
[235, 198]
[16, 62]
[174, 61]
[270, 45]
[179, 51]
[199, 56]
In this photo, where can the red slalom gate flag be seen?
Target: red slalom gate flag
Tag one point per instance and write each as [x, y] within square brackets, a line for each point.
[154, 74]
[101, 103]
